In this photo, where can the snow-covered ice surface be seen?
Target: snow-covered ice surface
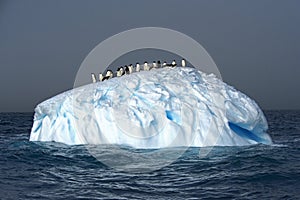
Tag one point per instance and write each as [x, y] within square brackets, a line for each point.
[152, 109]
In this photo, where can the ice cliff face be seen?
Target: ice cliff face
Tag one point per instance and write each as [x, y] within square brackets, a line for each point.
[152, 109]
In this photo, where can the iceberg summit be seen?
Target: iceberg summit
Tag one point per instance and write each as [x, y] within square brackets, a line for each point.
[165, 107]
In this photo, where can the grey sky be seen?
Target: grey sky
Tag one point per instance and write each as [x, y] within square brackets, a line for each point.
[255, 44]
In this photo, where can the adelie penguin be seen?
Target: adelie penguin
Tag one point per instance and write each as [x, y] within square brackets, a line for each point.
[158, 64]
[109, 75]
[137, 68]
[101, 77]
[94, 80]
[164, 64]
[120, 71]
[168, 64]
[130, 69]
[154, 65]
[183, 64]
[126, 69]
[146, 66]
[173, 63]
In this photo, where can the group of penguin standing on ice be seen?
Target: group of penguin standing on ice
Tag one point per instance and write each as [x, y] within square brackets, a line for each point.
[131, 69]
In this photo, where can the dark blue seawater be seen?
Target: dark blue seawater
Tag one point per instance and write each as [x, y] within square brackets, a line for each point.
[35, 170]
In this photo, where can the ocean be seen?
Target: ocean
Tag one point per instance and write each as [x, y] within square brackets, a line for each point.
[48, 170]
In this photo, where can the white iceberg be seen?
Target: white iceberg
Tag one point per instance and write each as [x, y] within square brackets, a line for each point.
[160, 108]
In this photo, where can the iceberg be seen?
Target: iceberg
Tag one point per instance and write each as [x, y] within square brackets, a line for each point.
[165, 107]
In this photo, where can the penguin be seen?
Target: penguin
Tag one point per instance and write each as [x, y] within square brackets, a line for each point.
[137, 68]
[154, 64]
[109, 75]
[119, 72]
[146, 67]
[158, 64]
[130, 69]
[167, 64]
[173, 63]
[164, 64]
[183, 62]
[94, 80]
[122, 71]
[126, 69]
[101, 77]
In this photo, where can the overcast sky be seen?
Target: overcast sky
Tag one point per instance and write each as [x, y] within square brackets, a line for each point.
[255, 44]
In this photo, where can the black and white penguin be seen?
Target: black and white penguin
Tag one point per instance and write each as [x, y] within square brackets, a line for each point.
[119, 72]
[94, 80]
[146, 66]
[109, 75]
[101, 77]
[183, 63]
[164, 64]
[158, 64]
[130, 69]
[154, 65]
[137, 67]
[126, 69]
[122, 71]
[168, 64]
[173, 63]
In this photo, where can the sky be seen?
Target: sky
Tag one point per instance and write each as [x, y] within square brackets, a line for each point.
[255, 44]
